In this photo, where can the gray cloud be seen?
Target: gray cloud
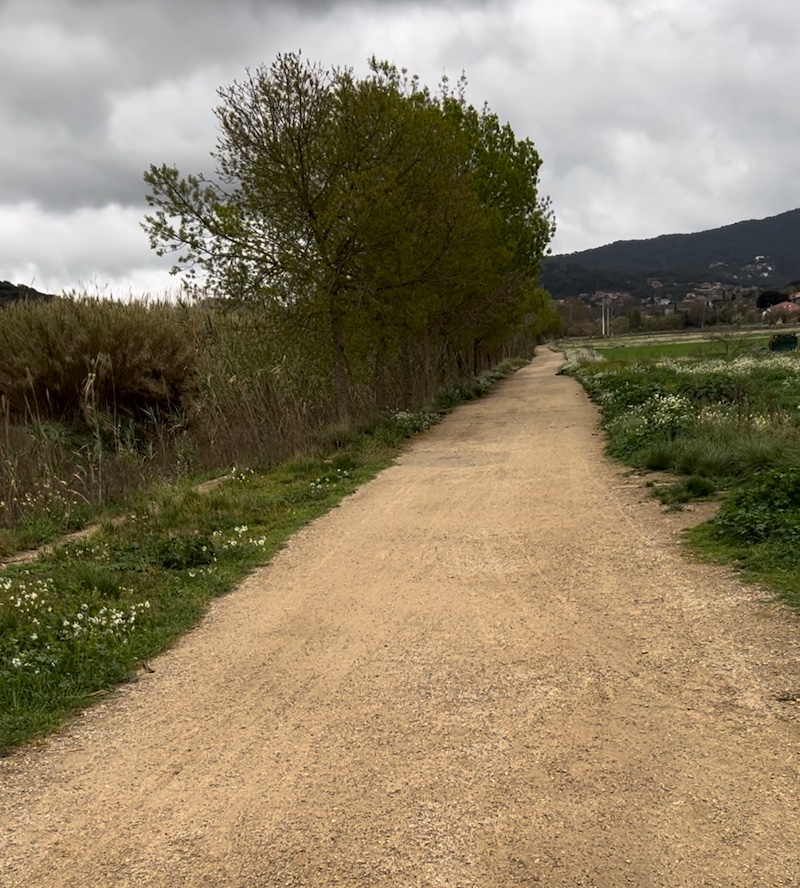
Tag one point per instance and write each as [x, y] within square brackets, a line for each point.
[654, 116]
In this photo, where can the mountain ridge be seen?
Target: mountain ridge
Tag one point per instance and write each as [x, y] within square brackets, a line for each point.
[754, 252]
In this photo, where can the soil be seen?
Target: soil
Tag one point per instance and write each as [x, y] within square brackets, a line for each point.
[491, 666]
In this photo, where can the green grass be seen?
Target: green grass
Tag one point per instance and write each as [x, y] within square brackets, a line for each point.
[727, 427]
[711, 341]
[85, 617]
[685, 490]
[691, 348]
[770, 564]
[82, 618]
[696, 348]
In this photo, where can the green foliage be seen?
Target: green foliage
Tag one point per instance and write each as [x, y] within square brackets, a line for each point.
[182, 552]
[694, 348]
[772, 563]
[732, 424]
[764, 507]
[75, 622]
[383, 230]
[684, 491]
[698, 486]
[659, 418]
[505, 173]
[720, 418]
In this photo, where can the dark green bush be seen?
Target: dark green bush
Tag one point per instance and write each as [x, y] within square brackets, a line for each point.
[764, 507]
[699, 487]
[183, 552]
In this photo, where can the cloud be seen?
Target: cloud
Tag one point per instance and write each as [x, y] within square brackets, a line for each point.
[85, 248]
[653, 116]
[664, 116]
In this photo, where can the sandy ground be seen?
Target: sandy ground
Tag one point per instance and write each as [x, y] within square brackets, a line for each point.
[491, 666]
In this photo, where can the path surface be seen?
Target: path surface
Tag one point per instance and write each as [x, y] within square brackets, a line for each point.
[491, 666]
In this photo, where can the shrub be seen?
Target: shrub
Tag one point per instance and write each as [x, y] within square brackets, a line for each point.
[681, 492]
[764, 507]
[699, 487]
[709, 456]
[658, 455]
[659, 418]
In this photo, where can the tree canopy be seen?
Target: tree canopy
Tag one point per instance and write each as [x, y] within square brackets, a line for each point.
[374, 221]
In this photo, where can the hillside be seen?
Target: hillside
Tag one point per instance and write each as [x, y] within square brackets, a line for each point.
[759, 252]
[15, 292]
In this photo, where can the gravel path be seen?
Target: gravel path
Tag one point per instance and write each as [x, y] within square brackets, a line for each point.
[491, 666]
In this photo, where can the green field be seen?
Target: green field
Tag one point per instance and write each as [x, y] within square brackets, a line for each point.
[692, 348]
[698, 344]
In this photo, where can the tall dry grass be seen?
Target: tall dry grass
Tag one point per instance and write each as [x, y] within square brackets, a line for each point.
[95, 397]
[100, 398]
[60, 360]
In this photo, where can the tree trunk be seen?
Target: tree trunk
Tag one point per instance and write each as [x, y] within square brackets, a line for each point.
[408, 375]
[341, 386]
[381, 380]
[476, 350]
[430, 384]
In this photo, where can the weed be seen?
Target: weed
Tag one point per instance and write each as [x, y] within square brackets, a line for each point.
[763, 507]
[684, 491]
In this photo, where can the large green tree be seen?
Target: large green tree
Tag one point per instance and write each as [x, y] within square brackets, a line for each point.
[364, 213]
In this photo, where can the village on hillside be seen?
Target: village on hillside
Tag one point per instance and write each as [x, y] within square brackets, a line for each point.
[670, 305]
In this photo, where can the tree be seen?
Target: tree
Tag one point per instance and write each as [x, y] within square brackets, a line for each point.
[505, 176]
[505, 173]
[364, 215]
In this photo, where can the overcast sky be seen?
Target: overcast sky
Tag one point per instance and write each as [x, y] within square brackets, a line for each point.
[651, 116]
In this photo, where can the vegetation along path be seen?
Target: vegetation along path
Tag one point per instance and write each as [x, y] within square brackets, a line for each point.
[491, 666]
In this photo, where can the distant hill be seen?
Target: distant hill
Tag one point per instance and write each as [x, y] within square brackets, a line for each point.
[14, 292]
[759, 252]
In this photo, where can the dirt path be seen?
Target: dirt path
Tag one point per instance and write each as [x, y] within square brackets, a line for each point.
[490, 667]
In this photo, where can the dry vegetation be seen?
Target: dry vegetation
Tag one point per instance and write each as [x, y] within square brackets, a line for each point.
[130, 395]
[101, 398]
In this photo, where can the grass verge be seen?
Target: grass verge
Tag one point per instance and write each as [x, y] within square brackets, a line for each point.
[694, 348]
[90, 613]
[765, 563]
[723, 427]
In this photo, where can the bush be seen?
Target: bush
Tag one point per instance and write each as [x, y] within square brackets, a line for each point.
[658, 419]
[681, 492]
[100, 398]
[722, 419]
[764, 507]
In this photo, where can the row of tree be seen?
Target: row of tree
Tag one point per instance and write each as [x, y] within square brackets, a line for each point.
[381, 226]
